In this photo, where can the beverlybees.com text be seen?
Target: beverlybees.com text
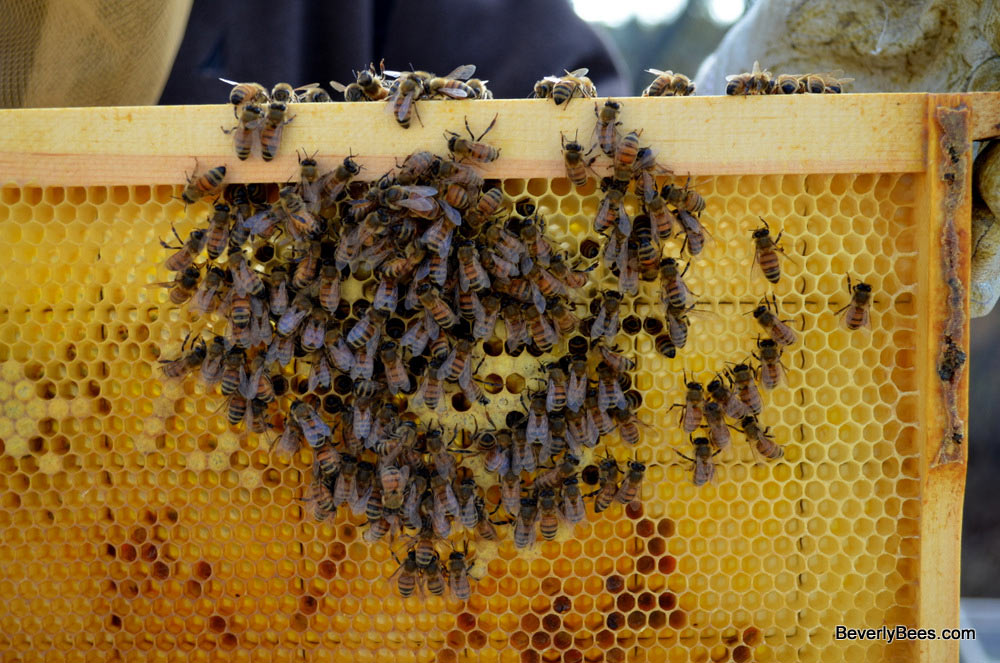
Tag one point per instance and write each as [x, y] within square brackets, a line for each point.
[900, 632]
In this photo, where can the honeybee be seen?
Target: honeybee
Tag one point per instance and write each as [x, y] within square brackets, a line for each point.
[299, 222]
[485, 318]
[613, 357]
[857, 312]
[458, 574]
[731, 404]
[329, 279]
[683, 198]
[540, 328]
[573, 508]
[433, 576]
[367, 330]
[245, 280]
[393, 481]
[756, 82]
[787, 84]
[326, 459]
[510, 491]
[766, 252]
[236, 410]
[771, 369]
[624, 159]
[245, 93]
[607, 484]
[313, 94]
[415, 167]
[548, 514]
[408, 572]
[524, 527]
[313, 334]
[742, 377]
[334, 182]
[760, 439]
[675, 292]
[668, 84]
[543, 88]
[233, 370]
[424, 547]
[297, 311]
[283, 93]
[322, 500]
[609, 392]
[703, 470]
[694, 403]
[251, 119]
[452, 85]
[647, 251]
[368, 85]
[612, 210]
[607, 323]
[203, 185]
[574, 84]
[631, 487]
[607, 126]
[183, 287]
[661, 217]
[479, 88]
[772, 326]
[471, 275]
[187, 362]
[314, 429]
[715, 422]
[665, 345]
[408, 88]
[436, 308]
[830, 83]
[397, 379]
[186, 252]
[473, 149]
[211, 365]
[628, 424]
[576, 161]
[694, 233]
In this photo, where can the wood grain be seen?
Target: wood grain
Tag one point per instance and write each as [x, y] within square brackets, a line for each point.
[851, 133]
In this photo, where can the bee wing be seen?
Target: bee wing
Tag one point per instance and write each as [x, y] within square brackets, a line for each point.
[537, 298]
[404, 107]
[552, 79]
[339, 87]
[391, 73]
[418, 204]
[421, 191]
[454, 93]
[451, 214]
[576, 73]
[227, 81]
[307, 86]
[462, 72]
[733, 77]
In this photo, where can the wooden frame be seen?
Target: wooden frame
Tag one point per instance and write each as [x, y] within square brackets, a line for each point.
[890, 133]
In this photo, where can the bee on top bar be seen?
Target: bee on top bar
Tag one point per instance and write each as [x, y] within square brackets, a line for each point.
[668, 84]
[753, 83]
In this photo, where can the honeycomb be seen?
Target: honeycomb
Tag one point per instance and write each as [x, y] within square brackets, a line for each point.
[135, 524]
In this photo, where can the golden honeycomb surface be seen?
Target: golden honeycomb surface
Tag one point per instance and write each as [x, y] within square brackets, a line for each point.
[135, 524]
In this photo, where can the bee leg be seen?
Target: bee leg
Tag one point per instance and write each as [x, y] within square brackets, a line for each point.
[488, 129]
[685, 457]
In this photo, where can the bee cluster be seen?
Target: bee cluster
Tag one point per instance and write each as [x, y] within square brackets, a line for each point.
[366, 382]
[368, 366]
[760, 81]
[633, 250]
